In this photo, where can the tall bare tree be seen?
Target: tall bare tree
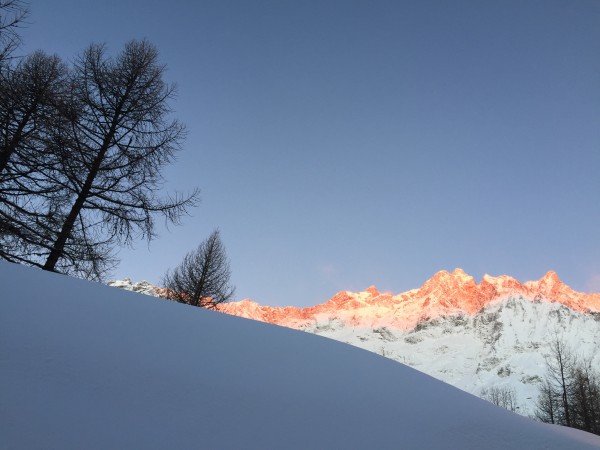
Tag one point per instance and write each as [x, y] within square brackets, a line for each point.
[202, 278]
[31, 94]
[560, 364]
[117, 141]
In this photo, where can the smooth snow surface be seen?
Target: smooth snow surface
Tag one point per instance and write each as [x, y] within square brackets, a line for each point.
[85, 366]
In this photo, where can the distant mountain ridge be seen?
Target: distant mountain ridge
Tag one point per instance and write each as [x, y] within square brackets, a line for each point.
[442, 295]
[473, 336]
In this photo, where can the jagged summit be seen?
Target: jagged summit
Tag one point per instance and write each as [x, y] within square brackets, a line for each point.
[445, 293]
[372, 290]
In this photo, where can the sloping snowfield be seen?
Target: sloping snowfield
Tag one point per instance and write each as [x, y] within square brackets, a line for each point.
[86, 366]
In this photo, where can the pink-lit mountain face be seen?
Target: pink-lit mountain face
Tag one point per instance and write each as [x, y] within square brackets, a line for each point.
[445, 294]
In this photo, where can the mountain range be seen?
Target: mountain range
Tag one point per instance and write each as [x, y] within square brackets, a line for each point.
[475, 336]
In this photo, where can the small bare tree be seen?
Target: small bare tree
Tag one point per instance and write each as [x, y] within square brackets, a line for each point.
[585, 397]
[504, 397]
[560, 365]
[202, 278]
[570, 394]
[547, 404]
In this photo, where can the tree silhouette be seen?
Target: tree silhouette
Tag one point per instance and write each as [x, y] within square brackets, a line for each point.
[81, 156]
[31, 95]
[116, 142]
[202, 278]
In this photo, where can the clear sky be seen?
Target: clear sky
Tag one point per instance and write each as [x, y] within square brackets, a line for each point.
[339, 144]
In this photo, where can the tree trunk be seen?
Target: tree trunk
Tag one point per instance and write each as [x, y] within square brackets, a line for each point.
[59, 245]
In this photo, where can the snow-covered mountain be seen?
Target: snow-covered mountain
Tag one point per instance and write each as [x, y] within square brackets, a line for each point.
[473, 336]
[86, 366]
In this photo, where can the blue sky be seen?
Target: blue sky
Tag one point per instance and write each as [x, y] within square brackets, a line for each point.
[339, 144]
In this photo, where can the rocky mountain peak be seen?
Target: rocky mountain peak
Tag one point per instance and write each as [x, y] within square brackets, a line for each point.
[373, 291]
[444, 294]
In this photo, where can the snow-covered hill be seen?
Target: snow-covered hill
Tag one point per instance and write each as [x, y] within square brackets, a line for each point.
[86, 366]
[473, 336]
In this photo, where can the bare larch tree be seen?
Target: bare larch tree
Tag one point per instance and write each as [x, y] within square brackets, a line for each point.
[570, 393]
[202, 278]
[117, 141]
[31, 94]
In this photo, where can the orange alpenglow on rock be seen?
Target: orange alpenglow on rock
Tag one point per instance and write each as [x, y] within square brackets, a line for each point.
[442, 295]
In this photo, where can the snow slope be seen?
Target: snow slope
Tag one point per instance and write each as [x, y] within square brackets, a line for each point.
[86, 366]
